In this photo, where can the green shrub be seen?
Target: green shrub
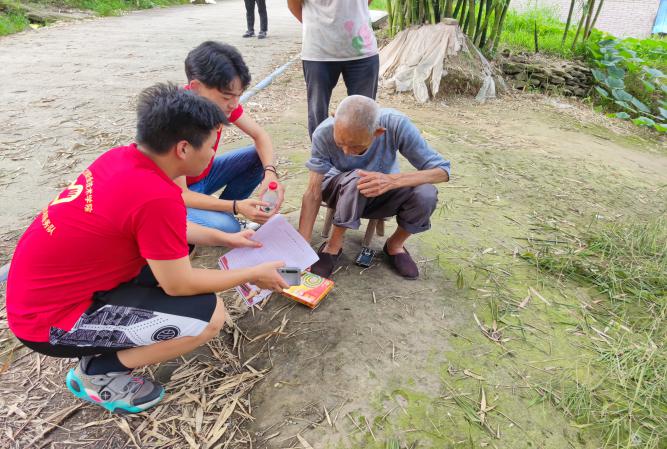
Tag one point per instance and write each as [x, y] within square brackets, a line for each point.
[629, 85]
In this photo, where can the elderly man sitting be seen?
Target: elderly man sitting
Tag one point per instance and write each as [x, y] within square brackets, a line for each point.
[354, 169]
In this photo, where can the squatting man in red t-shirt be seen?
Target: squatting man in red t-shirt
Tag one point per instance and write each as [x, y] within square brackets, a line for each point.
[79, 285]
[217, 72]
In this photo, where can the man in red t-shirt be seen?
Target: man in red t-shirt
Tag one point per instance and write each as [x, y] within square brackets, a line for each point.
[103, 272]
[217, 72]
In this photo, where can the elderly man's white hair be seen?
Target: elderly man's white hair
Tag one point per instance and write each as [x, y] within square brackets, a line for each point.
[358, 112]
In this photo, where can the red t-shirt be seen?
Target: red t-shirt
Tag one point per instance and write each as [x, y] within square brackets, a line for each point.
[234, 116]
[95, 235]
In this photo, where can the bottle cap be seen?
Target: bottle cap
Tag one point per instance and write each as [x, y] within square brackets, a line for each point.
[273, 185]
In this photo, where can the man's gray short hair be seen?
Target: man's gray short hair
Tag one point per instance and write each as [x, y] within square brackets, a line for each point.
[357, 111]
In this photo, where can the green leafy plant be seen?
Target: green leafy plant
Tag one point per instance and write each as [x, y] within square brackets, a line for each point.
[627, 84]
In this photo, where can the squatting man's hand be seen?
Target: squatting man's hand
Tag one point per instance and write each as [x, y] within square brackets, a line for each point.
[372, 184]
[266, 276]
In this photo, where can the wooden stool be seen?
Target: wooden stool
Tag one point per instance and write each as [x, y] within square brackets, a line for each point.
[375, 225]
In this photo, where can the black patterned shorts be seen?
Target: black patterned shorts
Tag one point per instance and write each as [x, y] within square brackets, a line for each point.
[128, 316]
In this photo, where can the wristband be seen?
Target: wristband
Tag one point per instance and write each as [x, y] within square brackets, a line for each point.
[271, 169]
[234, 207]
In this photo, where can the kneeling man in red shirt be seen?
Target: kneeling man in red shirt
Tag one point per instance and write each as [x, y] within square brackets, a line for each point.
[103, 272]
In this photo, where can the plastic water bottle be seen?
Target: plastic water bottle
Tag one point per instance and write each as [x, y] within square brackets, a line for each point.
[271, 197]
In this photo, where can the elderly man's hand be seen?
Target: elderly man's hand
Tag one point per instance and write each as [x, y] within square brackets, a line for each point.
[372, 184]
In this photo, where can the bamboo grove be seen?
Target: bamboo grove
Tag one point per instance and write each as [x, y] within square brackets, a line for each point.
[481, 20]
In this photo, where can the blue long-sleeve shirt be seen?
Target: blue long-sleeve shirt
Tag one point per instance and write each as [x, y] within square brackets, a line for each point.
[382, 155]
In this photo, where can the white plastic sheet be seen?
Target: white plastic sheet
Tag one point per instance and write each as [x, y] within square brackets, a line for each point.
[416, 60]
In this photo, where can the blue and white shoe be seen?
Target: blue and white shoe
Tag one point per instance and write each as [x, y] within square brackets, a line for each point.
[117, 392]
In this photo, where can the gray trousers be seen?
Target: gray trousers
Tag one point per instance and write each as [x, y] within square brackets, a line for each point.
[412, 206]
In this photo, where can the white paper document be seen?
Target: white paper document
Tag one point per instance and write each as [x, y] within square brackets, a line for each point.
[280, 241]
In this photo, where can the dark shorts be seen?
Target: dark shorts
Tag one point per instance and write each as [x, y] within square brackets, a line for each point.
[137, 313]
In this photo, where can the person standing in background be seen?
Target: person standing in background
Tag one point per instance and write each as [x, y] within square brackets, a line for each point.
[337, 39]
[250, 18]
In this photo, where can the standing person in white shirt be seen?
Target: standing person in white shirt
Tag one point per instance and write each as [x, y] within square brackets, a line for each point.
[338, 39]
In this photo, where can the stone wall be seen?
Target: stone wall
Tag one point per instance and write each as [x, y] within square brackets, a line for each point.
[524, 71]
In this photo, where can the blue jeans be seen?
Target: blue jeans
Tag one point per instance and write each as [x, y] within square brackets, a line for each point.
[239, 171]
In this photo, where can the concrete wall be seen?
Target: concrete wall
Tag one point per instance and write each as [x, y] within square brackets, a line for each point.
[621, 18]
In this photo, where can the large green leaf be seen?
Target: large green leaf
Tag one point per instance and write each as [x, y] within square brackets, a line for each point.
[661, 127]
[615, 83]
[599, 76]
[616, 72]
[628, 53]
[622, 95]
[640, 106]
[621, 115]
[649, 86]
[624, 105]
[603, 93]
[643, 121]
[608, 43]
[655, 73]
[663, 112]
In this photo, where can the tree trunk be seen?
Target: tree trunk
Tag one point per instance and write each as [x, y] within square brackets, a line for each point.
[569, 21]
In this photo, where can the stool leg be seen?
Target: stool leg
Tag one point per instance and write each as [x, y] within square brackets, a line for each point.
[370, 231]
[328, 221]
[380, 228]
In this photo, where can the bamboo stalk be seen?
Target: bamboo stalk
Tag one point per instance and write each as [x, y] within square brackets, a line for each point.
[478, 25]
[448, 8]
[569, 21]
[500, 26]
[470, 21]
[431, 8]
[595, 19]
[496, 24]
[581, 23]
[390, 18]
[462, 15]
[459, 5]
[589, 17]
[482, 38]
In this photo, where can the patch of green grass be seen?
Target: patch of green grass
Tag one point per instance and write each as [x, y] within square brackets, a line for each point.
[12, 23]
[115, 7]
[519, 33]
[379, 4]
[13, 18]
[627, 402]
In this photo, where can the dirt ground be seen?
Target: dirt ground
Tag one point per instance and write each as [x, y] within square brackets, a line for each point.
[382, 359]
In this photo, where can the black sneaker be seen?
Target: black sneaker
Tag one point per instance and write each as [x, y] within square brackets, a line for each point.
[261, 35]
[249, 33]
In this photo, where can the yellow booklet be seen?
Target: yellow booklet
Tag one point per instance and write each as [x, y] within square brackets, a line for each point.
[312, 290]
